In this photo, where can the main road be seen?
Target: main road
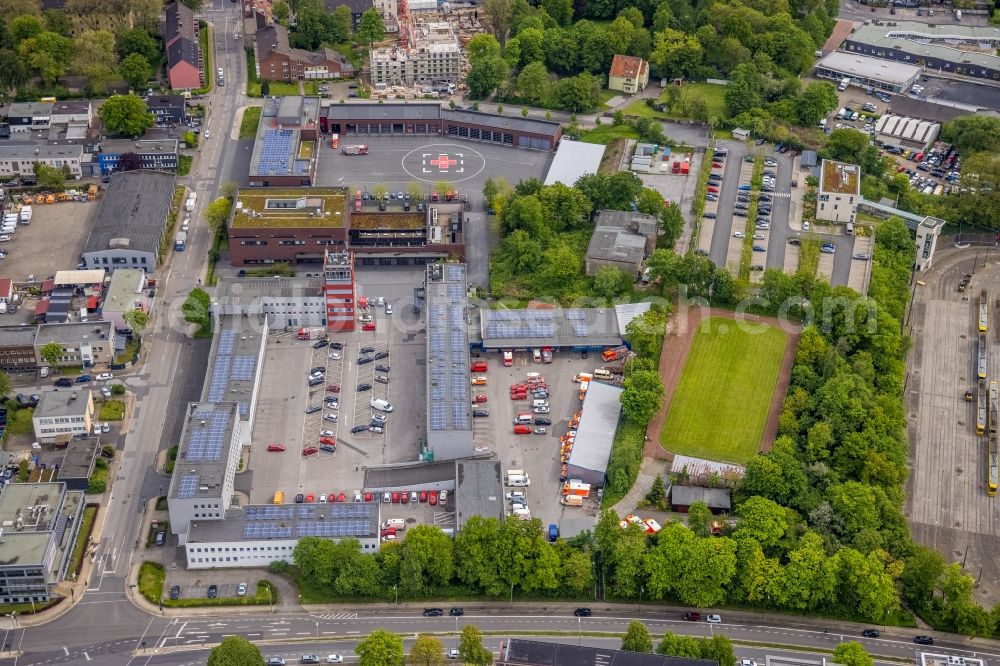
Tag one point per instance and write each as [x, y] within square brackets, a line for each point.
[186, 640]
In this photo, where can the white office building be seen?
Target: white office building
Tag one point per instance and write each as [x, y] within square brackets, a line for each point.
[839, 192]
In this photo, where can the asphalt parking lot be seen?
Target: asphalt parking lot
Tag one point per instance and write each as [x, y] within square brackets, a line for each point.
[32, 252]
[724, 228]
[947, 503]
[399, 161]
[536, 454]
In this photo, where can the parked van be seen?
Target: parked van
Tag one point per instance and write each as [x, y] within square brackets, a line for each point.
[380, 404]
[601, 373]
[394, 523]
[279, 497]
[572, 500]
[534, 375]
[522, 419]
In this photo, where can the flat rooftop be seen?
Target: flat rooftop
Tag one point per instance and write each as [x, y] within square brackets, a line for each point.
[880, 36]
[866, 67]
[523, 652]
[478, 490]
[264, 522]
[551, 327]
[203, 455]
[55, 404]
[574, 159]
[125, 287]
[233, 363]
[449, 406]
[74, 333]
[292, 207]
[32, 516]
[602, 408]
[840, 178]
[78, 461]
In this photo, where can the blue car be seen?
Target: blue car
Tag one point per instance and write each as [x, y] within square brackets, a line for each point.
[83, 379]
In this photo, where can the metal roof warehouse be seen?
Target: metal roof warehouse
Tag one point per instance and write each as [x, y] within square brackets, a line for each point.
[576, 329]
[588, 461]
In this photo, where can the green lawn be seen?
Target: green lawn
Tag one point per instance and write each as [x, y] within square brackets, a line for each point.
[606, 133]
[720, 406]
[277, 88]
[89, 514]
[184, 164]
[714, 96]
[112, 410]
[251, 118]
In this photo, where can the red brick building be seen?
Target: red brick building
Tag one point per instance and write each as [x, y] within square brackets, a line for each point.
[339, 290]
[432, 119]
[277, 61]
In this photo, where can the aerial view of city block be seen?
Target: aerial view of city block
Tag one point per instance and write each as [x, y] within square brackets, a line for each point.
[513, 332]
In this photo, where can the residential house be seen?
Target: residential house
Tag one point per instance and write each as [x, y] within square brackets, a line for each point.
[621, 239]
[167, 109]
[180, 39]
[628, 74]
[126, 292]
[357, 7]
[28, 116]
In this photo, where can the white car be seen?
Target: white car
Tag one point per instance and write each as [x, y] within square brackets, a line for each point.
[5, 237]
[106, 427]
[104, 376]
[106, 392]
[541, 410]
[327, 433]
[738, 234]
[714, 619]
[241, 591]
[334, 356]
[332, 418]
[805, 226]
[453, 653]
[337, 659]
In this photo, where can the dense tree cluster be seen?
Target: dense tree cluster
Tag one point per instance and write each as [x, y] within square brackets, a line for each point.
[487, 557]
[546, 230]
[104, 41]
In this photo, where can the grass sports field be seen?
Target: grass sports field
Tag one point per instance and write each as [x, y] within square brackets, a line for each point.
[720, 406]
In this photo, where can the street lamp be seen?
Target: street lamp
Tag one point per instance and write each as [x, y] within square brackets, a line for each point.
[395, 588]
[13, 616]
[512, 593]
[579, 630]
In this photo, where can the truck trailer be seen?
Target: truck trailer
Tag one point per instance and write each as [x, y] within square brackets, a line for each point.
[359, 149]
[311, 333]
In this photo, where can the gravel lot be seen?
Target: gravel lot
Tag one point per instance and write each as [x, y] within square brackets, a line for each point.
[32, 251]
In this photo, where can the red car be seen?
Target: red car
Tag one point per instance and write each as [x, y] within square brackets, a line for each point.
[395, 498]
[368, 497]
[333, 388]
[423, 496]
[713, 190]
[522, 430]
[328, 440]
[518, 387]
[341, 497]
[716, 165]
[481, 398]
[404, 498]
[333, 497]
[310, 498]
[275, 447]
[389, 530]
[310, 451]
[368, 327]
[433, 499]
[518, 396]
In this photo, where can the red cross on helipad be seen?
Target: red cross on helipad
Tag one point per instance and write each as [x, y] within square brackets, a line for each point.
[443, 162]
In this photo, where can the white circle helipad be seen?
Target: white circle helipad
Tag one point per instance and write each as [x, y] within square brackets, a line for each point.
[447, 162]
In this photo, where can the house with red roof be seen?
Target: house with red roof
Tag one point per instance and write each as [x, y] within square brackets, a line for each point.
[628, 74]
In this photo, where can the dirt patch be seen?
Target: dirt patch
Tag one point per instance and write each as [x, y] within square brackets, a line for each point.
[613, 156]
[676, 344]
[841, 31]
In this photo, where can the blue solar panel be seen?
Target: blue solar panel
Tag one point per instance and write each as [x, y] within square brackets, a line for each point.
[266, 531]
[186, 485]
[226, 339]
[205, 442]
[243, 368]
[269, 512]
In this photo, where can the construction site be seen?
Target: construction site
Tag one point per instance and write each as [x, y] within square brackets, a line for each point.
[426, 53]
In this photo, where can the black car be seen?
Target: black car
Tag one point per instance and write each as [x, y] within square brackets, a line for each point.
[367, 350]
[583, 612]
[381, 355]
[364, 387]
[175, 592]
[359, 428]
[336, 345]
[319, 368]
[433, 612]
[923, 640]
[319, 344]
[329, 448]
[300, 498]
[543, 420]
[870, 633]
[213, 591]
[362, 360]
[64, 381]
[480, 413]
[456, 612]
[381, 367]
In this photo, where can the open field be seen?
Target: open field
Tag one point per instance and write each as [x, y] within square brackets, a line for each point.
[721, 404]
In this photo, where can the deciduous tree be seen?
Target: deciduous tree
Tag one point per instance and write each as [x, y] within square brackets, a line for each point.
[135, 70]
[470, 647]
[636, 638]
[371, 28]
[126, 115]
[51, 353]
[642, 395]
[699, 516]
[235, 651]
[49, 177]
[426, 651]
[380, 648]
[852, 653]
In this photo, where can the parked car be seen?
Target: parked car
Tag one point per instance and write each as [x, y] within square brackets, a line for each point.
[714, 619]
[364, 387]
[871, 633]
[241, 590]
[691, 617]
[433, 612]
[213, 591]
[175, 592]
[583, 612]
[381, 367]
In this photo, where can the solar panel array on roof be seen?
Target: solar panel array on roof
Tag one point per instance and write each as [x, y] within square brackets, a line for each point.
[243, 367]
[266, 531]
[206, 441]
[186, 485]
[269, 512]
[276, 152]
[520, 324]
[338, 529]
[228, 367]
